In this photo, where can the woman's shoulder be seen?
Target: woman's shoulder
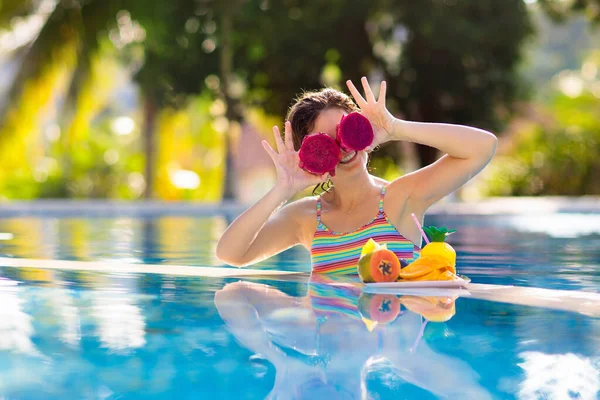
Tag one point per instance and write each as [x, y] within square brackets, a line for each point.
[304, 206]
[304, 214]
[300, 211]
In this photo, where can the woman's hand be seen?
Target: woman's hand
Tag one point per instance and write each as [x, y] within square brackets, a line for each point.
[381, 119]
[290, 177]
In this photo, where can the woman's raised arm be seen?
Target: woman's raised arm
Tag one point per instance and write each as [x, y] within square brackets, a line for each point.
[467, 150]
[265, 229]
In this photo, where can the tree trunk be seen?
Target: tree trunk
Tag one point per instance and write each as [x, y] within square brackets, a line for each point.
[233, 115]
[149, 129]
[426, 155]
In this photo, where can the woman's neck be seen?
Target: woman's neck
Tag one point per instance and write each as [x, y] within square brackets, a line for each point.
[348, 194]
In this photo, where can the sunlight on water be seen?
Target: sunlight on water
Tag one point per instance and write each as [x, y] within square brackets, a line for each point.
[63, 334]
[557, 250]
[78, 334]
[559, 376]
[558, 225]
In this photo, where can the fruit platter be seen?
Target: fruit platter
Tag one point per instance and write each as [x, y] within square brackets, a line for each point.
[435, 268]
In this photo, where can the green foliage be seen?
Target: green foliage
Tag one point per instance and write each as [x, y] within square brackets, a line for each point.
[561, 10]
[105, 165]
[278, 48]
[557, 47]
[558, 157]
[179, 48]
[191, 141]
[385, 167]
[445, 61]
[459, 59]
[10, 9]
[303, 45]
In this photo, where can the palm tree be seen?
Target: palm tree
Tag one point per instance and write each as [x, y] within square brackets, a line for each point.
[67, 40]
[278, 49]
[168, 73]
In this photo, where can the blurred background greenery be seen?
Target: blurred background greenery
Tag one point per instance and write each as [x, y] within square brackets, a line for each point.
[130, 99]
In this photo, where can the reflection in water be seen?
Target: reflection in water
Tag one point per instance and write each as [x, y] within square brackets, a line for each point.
[57, 305]
[332, 342]
[62, 301]
[558, 376]
[120, 323]
[563, 254]
[176, 240]
[94, 335]
[16, 327]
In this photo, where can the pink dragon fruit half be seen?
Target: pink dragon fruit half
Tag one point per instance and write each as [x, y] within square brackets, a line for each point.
[319, 154]
[354, 132]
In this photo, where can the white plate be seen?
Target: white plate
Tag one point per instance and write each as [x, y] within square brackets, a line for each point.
[456, 283]
[424, 291]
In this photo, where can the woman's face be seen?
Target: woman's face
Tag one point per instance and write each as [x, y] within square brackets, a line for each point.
[350, 162]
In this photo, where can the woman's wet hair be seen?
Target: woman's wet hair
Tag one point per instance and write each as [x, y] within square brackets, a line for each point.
[304, 112]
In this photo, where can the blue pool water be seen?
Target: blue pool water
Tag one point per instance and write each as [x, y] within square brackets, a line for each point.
[75, 334]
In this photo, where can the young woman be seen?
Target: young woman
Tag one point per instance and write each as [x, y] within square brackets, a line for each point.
[359, 206]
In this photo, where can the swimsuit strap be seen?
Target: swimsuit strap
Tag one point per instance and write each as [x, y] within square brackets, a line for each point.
[381, 199]
[319, 210]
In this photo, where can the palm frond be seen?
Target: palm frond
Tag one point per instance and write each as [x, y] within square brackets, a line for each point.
[10, 9]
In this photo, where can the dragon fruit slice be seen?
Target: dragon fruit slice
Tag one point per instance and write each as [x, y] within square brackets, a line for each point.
[319, 154]
[354, 132]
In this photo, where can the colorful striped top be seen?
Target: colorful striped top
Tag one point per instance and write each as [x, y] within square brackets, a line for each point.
[338, 252]
[328, 296]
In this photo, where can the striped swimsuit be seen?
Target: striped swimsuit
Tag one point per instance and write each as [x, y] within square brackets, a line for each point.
[338, 252]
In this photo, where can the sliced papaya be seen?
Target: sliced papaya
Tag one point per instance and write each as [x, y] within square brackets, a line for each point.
[384, 266]
[381, 308]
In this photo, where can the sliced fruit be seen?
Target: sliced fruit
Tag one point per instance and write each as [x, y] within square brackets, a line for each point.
[428, 268]
[369, 247]
[435, 309]
[369, 324]
[381, 308]
[364, 262]
[384, 266]
[354, 132]
[319, 154]
[364, 268]
[437, 275]
[421, 266]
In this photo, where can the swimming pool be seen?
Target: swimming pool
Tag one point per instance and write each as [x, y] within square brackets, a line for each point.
[121, 335]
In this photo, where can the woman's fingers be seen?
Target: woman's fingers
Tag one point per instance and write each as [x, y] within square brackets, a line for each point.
[382, 90]
[289, 143]
[359, 99]
[278, 140]
[270, 151]
[317, 179]
[368, 92]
